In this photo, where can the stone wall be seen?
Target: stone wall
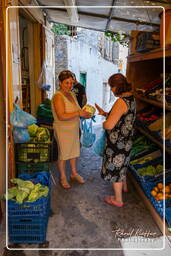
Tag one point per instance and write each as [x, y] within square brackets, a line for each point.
[61, 55]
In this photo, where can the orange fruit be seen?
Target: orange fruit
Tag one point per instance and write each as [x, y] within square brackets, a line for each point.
[153, 193]
[167, 189]
[160, 185]
[156, 189]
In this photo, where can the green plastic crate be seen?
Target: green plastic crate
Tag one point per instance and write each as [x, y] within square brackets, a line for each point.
[32, 152]
[31, 167]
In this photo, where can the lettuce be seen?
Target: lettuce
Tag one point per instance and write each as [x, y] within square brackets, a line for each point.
[32, 130]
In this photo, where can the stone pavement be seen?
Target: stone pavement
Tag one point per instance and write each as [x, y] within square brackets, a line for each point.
[81, 219]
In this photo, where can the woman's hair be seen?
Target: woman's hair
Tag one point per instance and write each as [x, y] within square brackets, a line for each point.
[120, 82]
[65, 74]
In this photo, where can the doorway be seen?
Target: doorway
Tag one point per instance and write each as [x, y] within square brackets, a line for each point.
[83, 79]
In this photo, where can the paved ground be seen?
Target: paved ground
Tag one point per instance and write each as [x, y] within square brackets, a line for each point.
[81, 219]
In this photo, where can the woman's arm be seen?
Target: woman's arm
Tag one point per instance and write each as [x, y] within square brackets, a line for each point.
[60, 110]
[101, 111]
[119, 108]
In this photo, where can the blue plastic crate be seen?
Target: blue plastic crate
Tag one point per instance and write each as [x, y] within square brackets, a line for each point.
[134, 172]
[37, 238]
[27, 225]
[154, 163]
[37, 208]
[158, 204]
[168, 216]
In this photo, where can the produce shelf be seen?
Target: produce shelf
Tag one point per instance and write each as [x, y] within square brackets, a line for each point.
[152, 102]
[159, 221]
[154, 54]
[153, 139]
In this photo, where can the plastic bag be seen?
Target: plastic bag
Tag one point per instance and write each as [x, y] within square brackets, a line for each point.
[20, 135]
[42, 78]
[20, 118]
[88, 137]
[100, 144]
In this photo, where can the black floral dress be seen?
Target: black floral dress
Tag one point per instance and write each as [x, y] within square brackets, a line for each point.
[119, 143]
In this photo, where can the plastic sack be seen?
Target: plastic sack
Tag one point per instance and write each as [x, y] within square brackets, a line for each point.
[20, 118]
[20, 135]
[88, 137]
[42, 177]
[43, 77]
[100, 144]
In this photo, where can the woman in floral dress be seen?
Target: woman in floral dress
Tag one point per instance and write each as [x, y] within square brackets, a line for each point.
[119, 129]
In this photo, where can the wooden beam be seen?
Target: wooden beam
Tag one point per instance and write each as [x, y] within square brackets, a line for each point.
[103, 16]
[110, 15]
[35, 12]
[72, 12]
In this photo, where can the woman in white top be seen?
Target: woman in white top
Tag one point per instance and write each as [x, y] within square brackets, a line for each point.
[66, 113]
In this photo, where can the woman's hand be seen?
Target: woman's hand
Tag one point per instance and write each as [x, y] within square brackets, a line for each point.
[84, 114]
[101, 111]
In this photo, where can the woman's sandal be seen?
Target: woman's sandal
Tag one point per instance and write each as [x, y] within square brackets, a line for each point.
[108, 200]
[64, 183]
[77, 178]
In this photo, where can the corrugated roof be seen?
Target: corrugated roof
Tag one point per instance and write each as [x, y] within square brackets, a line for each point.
[91, 15]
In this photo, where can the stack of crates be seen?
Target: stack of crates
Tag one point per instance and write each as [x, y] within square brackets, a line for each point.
[27, 222]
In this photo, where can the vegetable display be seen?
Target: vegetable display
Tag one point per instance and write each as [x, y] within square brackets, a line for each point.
[159, 192]
[38, 134]
[150, 170]
[26, 191]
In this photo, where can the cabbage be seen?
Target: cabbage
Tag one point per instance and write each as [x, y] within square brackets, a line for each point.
[21, 195]
[43, 191]
[90, 109]
[42, 134]
[23, 183]
[26, 191]
[33, 196]
[12, 192]
[32, 130]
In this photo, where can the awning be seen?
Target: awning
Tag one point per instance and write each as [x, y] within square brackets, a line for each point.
[106, 15]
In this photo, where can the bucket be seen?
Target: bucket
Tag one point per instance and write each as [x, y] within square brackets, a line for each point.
[167, 27]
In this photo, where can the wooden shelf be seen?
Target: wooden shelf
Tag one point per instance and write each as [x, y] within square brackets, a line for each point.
[152, 102]
[155, 215]
[154, 54]
[153, 139]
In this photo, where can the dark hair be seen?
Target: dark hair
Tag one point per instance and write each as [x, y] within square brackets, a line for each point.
[64, 75]
[74, 76]
[120, 82]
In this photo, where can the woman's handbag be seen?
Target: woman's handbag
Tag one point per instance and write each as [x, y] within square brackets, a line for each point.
[100, 144]
[88, 137]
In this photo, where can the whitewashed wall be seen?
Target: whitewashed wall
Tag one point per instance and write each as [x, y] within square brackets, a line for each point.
[84, 57]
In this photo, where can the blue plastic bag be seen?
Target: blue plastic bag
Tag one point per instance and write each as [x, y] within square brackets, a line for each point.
[42, 177]
[20, 135]
[88, 137]
[100, 144]
[20, 118]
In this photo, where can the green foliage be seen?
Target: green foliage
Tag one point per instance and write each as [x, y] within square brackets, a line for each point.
[60, 29]
[118, 37]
